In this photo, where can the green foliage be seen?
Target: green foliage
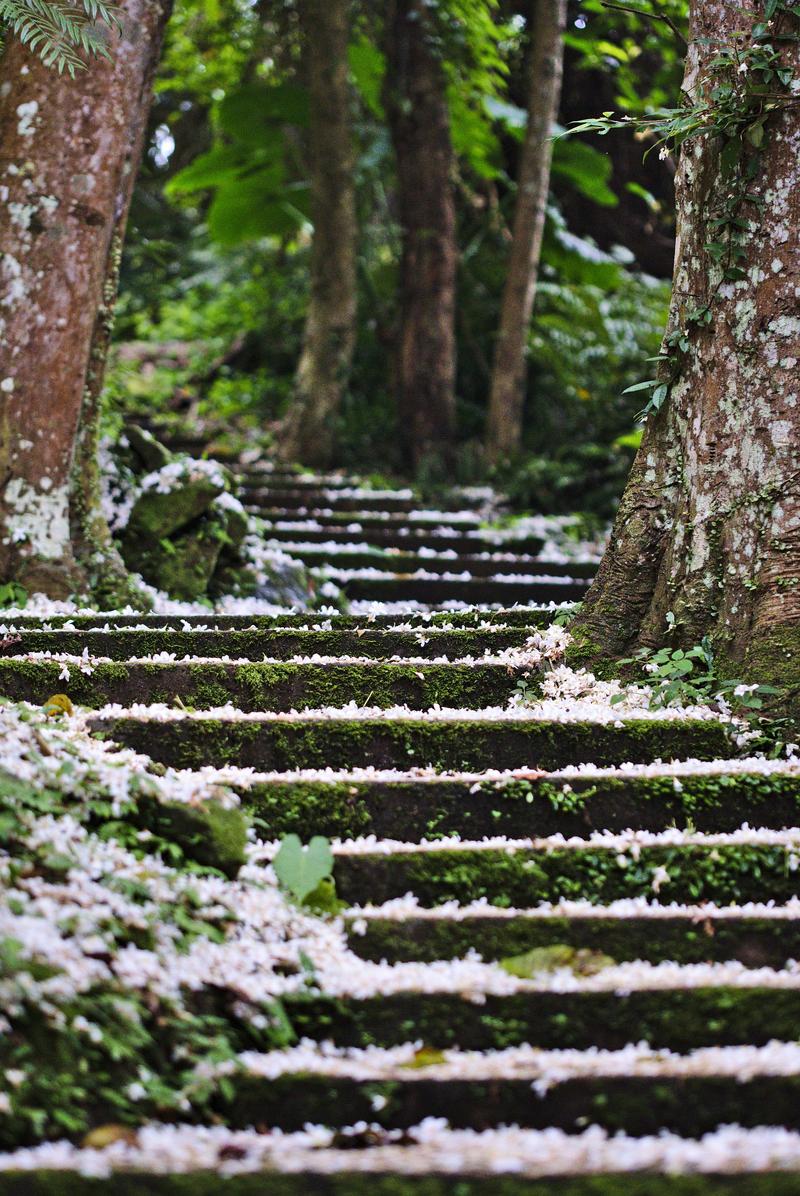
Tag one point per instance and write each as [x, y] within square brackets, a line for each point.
[12, 594]
[63, 33]
[689, 677]
[747, 81]
[249, 172]
[301, 870]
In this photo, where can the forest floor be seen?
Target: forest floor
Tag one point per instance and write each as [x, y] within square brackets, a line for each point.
[301, 897]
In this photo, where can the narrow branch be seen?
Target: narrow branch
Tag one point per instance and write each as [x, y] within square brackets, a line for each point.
[650, 16]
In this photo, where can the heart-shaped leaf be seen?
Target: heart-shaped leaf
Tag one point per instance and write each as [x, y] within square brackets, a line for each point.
[301, 869]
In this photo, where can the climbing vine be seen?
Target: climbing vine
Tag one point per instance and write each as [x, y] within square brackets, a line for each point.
[745, 83]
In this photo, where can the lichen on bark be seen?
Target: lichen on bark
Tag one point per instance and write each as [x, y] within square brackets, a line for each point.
[709, 525]
[71, 149]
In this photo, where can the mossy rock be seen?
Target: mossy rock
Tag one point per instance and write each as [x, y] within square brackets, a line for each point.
[150, 454]
[156, 515]
[286, 583]
[182, 566]
[210, 833]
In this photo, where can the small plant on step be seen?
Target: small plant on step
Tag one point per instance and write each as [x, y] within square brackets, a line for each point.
[688, 677]
[305, 873]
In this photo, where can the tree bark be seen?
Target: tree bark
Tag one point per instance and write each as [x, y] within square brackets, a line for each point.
[330, 332]
[546, 23]
[417, 111]
[709, 525]
[70, 151]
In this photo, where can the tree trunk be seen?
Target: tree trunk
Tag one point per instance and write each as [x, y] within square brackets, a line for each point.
[416, 105]
[709, 525]
[546, 23]
[330, 332]
[70, 151]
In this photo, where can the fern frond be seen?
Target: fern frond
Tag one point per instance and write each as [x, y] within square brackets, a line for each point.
[63, 33]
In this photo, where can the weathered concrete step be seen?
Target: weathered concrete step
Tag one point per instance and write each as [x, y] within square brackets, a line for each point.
[677, 1019]
[388, 521]
[766, 942]
[406, 563]
[255, 686]
[636, 1104]
[308, 501]
[469, 542]
[283, 743]
[280, 643]
[338, 1175]
[503, 591]
[689, 874]
[529, 616]
[548, 805]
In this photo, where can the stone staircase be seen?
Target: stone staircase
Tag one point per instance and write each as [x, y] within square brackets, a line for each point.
[558, 924]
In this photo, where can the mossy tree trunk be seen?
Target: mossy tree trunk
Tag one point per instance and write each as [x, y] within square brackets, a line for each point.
[546, 22]
[70, 154]
[419, 122]
[330, 331]
[709, 525]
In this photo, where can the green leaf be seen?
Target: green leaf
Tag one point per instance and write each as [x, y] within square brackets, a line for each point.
[256, 113]
[300, 870]
[586, 168]
[367, 68]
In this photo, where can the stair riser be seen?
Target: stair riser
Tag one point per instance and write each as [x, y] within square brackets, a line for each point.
[285, 745]
[724, 875]
[410, 542]
[504, 593]
[412, 811]
[758, 943]
[677, 1020]
[636, 1105]
[529, 617]
[262, 687]
[356, 1183]
[255, 645]
[396, 563]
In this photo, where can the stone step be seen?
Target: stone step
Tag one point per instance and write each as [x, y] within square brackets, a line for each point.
[422, 521]
[503, 590]
[258, 686]
[694, 935]
[635, 1090]
[685, 872]
[672, 1018]
[336, 739]
[308, 500]
[496, 564]
[281, 644]
[529, 616]
[468, 543]
[428, 1161]
[481, 804]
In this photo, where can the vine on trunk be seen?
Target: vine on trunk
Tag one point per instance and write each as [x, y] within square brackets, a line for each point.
[746, 82]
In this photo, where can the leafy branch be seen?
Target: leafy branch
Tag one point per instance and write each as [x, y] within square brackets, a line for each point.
[63, 33]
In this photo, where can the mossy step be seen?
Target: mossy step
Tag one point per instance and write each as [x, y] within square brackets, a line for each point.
[396, 588]
[389, 520]
[756, 942]
[689, 874]
[677, 1019]
[282, 644]
[282, 744]
[529, 616]
[415, 809]
[637, 1105]
[478, 566]
[257, 686]
[310, 500]
[367, 1183]
[467, 543]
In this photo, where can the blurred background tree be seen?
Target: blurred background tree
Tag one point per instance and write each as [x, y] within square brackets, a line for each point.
[218, 270]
